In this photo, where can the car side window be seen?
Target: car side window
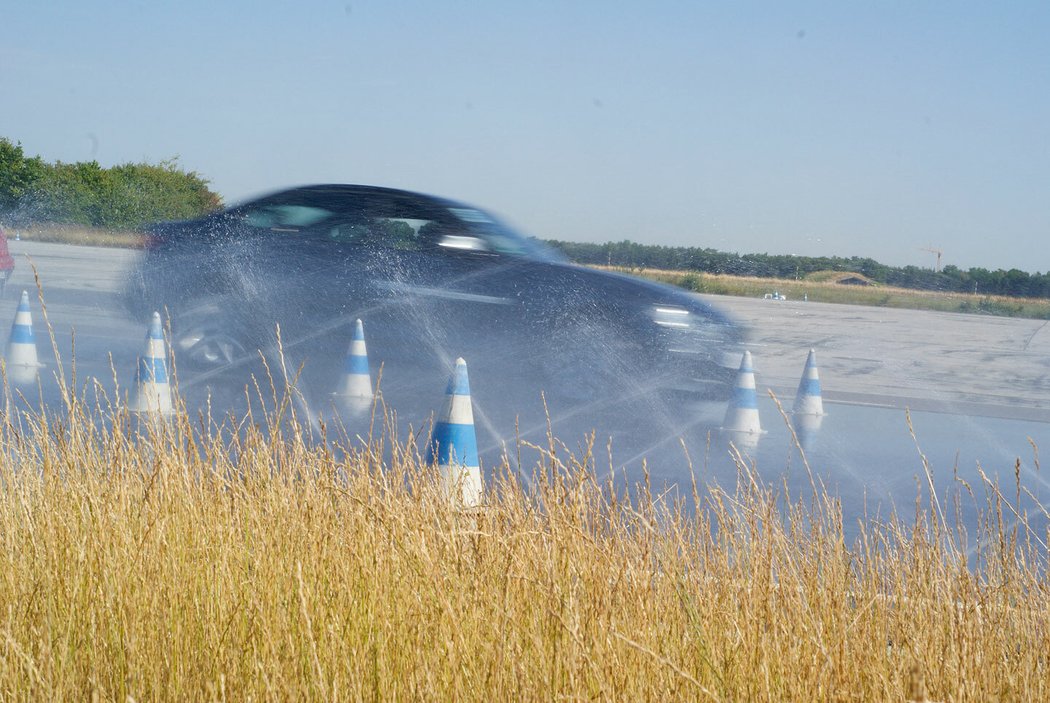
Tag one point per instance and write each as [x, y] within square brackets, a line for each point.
[285, 218]
[378, 233]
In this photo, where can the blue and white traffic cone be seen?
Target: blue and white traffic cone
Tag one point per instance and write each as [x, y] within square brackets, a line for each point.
[356, 381]
[453, 445]
[152, 387]
[807, 400]
[742, 413]
[21, 358]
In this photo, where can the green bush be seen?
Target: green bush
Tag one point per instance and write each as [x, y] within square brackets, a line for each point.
[84, 193]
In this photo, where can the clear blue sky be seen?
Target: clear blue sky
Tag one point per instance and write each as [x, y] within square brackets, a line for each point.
[816, 128]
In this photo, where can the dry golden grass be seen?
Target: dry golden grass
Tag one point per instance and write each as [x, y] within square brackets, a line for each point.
[193, 560]
[79, 235]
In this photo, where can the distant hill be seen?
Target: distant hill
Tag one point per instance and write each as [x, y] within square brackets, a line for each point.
[851, 278]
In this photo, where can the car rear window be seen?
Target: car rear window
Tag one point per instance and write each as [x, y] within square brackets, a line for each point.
[291, 217]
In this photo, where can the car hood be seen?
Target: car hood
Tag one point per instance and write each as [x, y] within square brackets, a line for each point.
[646, 292]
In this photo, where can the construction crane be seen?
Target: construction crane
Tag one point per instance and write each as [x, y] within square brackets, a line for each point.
[938, 252]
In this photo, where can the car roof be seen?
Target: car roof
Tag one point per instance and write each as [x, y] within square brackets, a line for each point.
[323, 190]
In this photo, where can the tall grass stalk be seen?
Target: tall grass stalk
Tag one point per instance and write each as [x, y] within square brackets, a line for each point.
[233, 559]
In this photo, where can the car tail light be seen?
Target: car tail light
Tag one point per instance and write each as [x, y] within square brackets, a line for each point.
[148, 240]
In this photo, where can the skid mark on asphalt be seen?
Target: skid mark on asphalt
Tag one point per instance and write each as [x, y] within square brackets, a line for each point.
[1034, 333]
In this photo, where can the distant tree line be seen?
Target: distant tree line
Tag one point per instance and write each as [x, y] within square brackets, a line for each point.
[85, 193]
[950, 279]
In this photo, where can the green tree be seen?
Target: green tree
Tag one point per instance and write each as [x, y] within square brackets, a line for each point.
[144, 192]
[69, 193]
[18, 175]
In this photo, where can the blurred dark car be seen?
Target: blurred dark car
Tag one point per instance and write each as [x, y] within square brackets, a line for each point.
[432, 279]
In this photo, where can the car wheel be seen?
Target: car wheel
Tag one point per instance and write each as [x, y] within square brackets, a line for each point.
[206, 337]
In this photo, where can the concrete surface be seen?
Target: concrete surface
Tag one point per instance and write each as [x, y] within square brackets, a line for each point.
[949, 362]
[965, 364]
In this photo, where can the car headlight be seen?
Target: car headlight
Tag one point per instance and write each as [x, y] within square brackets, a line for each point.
[671, 316]
[690, 334]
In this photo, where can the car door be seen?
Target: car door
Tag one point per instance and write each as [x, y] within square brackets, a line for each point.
[425, 304]
[282, 269]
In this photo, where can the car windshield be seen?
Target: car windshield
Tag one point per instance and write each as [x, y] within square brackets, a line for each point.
[500, 238]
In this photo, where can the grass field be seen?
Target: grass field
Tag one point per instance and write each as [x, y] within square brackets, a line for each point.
[221, 560]
[77, 235]
[824, 291]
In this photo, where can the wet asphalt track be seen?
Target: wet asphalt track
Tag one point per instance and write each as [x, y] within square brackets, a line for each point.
[978, 388]
[975, 365]
[965, 364]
